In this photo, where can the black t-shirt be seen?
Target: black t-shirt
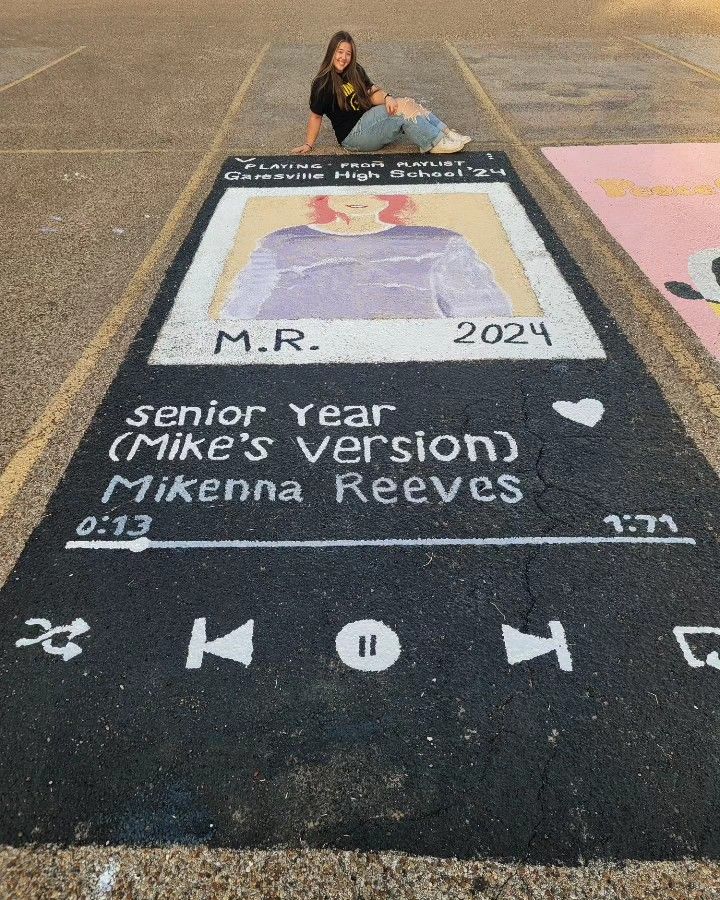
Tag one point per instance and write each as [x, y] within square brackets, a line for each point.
[324, 103]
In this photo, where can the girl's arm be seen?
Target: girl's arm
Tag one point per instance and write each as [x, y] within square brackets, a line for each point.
[379, 96]
[311, 134]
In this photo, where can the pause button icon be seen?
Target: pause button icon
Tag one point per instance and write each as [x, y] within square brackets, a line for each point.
[367, 645]
[362, 640]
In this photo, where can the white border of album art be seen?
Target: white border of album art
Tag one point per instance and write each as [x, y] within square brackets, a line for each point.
[189, 336]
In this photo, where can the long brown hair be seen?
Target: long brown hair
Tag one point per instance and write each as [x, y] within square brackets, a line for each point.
[329, 76]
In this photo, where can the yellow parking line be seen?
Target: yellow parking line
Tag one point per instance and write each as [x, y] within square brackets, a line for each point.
[55, 62]
[708, 73]
[707, 392]
[18, 469]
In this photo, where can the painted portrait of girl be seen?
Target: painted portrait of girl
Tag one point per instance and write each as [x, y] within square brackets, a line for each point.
[358, 258]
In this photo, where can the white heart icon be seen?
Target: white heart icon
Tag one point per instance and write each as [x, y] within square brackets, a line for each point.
[585, 412]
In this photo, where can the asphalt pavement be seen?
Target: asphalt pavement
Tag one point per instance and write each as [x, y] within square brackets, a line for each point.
[403, 590]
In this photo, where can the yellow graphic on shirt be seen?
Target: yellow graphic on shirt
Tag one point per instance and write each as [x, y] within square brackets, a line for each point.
[349, 91]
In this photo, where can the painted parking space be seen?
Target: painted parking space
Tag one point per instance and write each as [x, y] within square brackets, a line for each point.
[344, 592]
[661, 203]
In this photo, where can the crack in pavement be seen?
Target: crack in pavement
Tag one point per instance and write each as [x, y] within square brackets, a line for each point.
[534, 597]
[537, 464]
[542, 787]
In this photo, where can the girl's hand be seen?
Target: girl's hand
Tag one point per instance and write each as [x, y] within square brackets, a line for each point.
[305, 148]
[391, 105]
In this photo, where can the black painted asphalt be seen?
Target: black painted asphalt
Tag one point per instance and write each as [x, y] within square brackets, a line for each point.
[457, 748]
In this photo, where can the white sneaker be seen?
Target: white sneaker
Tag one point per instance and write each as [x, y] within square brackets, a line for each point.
[456, 136]
[447, 145]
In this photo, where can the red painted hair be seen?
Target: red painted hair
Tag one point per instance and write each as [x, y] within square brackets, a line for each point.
[398, 206]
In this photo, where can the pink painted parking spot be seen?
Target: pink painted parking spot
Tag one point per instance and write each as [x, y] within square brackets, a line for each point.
[661, 202]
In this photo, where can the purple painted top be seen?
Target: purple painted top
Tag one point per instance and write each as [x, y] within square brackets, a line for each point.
[405, 272]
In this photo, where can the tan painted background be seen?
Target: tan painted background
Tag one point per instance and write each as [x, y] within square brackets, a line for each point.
[471, 215]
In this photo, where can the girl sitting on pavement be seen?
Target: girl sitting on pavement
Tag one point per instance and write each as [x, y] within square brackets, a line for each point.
[364, 116]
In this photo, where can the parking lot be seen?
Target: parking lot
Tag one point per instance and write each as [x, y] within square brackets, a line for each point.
[117, 132]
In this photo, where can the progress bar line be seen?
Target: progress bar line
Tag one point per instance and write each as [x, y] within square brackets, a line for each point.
[139, 544]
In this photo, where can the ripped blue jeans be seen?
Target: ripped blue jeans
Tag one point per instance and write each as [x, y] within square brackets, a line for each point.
[377, 128]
